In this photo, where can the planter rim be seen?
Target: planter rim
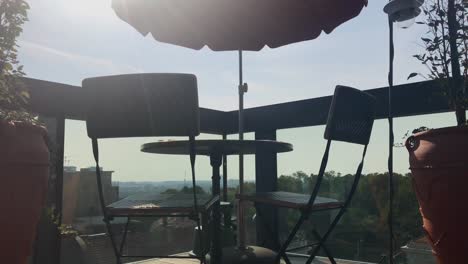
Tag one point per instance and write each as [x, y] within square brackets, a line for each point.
[24, 126]
[17, 139]
[443, 130]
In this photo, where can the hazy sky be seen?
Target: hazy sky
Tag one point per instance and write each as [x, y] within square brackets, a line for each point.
[67, 41]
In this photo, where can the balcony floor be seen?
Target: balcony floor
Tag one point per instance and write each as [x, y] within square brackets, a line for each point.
[294, 260]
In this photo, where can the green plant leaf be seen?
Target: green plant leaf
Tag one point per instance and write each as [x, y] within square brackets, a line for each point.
[426, 40]
[413, 74]
[25, 94]
[13, 14]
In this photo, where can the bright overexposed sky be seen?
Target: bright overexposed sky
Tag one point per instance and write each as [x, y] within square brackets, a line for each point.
[66, 41]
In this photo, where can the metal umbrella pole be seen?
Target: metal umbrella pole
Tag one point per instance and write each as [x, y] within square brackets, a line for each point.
[243, 254]
[240, 209]
[391, 246]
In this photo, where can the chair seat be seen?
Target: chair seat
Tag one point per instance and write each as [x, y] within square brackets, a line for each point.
[150, 204]
[291, 200]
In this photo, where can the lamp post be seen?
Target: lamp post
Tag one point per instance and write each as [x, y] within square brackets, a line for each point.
[402, 12]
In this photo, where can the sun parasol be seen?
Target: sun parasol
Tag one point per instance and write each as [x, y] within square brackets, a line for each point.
[239, 25]
[236, 25]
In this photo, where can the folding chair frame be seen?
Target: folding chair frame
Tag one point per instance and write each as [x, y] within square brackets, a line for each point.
[118, 250]
[305, 214]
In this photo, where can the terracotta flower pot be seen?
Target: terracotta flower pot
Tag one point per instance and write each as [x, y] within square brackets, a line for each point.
[439, 166]
[24, 171]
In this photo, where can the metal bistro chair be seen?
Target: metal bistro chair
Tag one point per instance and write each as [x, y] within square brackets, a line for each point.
[350, 119]
[145, 105]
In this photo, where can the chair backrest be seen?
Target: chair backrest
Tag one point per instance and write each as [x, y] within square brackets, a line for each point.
[351, 116]
[142, 105]
[350, 119]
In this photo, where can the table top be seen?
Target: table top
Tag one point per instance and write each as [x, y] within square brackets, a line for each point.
[216, 146]
[149, 203]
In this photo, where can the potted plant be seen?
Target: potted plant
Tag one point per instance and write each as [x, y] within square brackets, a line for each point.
[439, 157]
[24, 156]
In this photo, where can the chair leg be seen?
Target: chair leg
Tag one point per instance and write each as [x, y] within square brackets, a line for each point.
[291, 236]
[327, 234]
[275, 239]
[117, 254]
[124, 238]
[321, 243]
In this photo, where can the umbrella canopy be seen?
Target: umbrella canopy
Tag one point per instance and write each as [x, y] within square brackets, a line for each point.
[236, 24]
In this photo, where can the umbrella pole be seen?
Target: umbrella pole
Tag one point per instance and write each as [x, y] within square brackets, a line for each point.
[391, 245]
[242, 254]
[240, 209]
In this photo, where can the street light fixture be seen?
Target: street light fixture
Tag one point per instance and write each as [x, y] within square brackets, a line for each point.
[403, 12]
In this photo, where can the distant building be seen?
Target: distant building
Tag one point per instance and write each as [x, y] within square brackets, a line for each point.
[80, 195]
[69, 169]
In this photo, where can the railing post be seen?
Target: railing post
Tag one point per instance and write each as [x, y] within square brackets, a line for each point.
[266, 179]
[47, 244]
[225, 180]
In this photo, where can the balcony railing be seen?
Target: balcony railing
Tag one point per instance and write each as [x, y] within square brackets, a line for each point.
[57, 102]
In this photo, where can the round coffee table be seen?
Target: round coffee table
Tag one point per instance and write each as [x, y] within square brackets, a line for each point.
[215, 149]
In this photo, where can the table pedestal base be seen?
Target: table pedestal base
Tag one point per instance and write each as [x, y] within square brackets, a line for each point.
[248, 255]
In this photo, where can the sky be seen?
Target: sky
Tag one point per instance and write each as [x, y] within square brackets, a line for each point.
[67, 41]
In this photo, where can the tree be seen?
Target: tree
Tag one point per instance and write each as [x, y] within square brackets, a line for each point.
[185, 190]
[170, 191]
[446, 50]
[364, 222]
[13, 95]
[189, 190]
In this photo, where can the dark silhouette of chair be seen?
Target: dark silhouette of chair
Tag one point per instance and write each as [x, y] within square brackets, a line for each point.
[145, 105]
[350, 119]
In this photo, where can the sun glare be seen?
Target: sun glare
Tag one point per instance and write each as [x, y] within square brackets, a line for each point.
[87, 8]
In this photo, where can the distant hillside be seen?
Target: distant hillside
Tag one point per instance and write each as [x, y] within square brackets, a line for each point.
[130, 188]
